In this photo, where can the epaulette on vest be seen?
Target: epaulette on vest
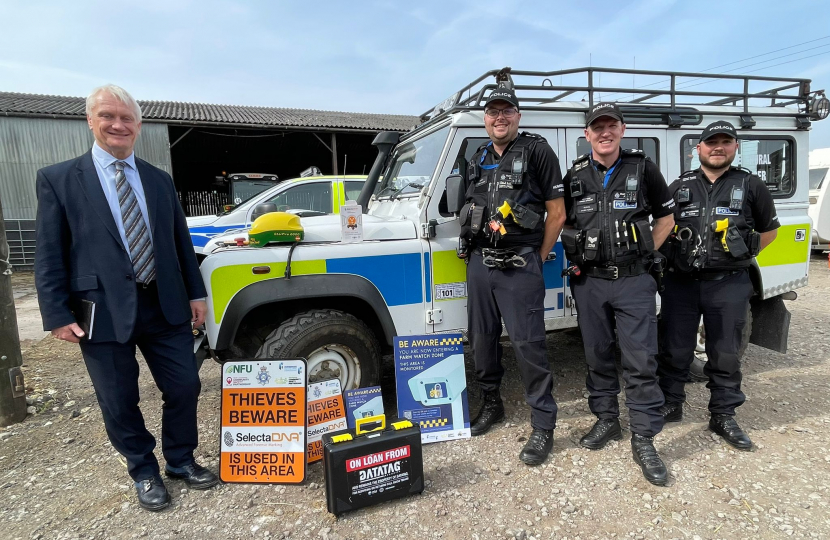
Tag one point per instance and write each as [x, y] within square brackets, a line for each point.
[533, 135]
[633, 152]
[688, 175]
[581, 162]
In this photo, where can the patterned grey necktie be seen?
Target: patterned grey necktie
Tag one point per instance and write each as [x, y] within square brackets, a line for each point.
[135, 229]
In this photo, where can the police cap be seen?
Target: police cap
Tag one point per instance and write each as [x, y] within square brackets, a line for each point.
[603, 109]
[718, 127]
[502, 94]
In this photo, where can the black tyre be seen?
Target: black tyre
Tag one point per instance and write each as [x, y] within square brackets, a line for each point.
[337, 346]
[696, 373]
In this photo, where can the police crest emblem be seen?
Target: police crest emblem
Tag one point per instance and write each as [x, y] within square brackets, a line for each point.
[263, 376]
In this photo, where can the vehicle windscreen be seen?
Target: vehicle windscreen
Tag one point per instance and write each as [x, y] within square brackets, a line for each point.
[412, 164]
[816, 177]
[242, 190]
[243, 207]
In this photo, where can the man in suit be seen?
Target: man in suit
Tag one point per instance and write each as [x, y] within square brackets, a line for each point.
[110, 230]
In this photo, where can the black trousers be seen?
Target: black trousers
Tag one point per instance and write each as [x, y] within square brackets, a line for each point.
[630, 302]
[724, 305]
[518, 296]
[113, 368]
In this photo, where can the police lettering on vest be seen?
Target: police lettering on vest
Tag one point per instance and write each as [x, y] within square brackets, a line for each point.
[490, 185]
[611, 223]
[711, 230]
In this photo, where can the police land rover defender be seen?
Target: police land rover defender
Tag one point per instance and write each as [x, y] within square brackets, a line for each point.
[340, 304]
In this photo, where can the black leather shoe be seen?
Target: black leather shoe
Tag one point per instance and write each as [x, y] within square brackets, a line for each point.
[726, 426]
[672, 412]
[537, 447]
[491, 412]
[195, 476]
[604, 430]
[152, 495]
[646, 457]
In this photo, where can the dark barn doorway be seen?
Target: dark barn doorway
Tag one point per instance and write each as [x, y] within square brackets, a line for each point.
[200, 154]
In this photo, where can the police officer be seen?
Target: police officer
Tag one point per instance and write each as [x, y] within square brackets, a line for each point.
[512, 181]
[725, 216]
[610, 194]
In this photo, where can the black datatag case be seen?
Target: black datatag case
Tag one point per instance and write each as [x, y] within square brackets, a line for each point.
[365, 468]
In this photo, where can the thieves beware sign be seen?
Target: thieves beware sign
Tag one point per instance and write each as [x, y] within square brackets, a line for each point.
[263, 422]
[326, 413]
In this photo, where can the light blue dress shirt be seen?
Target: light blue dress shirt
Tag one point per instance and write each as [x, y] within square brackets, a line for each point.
[105, 166]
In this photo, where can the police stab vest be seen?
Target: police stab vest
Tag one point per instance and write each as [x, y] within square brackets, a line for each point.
[611, 223]
[491, 185]
[711, 231]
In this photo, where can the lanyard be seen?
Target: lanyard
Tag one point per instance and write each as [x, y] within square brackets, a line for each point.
[484, 155]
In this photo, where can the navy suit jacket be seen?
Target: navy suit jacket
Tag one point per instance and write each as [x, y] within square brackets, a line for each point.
[80, 254]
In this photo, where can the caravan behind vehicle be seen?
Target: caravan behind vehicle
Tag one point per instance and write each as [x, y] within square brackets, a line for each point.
[819, 198]
[340, 305]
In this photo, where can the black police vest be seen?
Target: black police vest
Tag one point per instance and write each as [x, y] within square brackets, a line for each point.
[613, 219]
[699, 209]
[490, 186]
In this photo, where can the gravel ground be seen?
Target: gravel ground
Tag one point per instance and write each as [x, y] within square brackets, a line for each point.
[60, 478]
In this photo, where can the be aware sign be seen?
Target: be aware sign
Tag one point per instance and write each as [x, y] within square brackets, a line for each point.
[326, 413]
[263, 422]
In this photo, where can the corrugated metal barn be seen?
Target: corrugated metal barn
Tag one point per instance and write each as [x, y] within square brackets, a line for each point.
[196, 143]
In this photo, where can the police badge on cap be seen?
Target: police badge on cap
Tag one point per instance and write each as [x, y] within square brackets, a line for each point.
[502, 94]
[718, 127]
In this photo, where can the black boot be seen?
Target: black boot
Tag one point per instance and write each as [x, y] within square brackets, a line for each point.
[726, 426]
[646, 457]
[672, 412]
[605, 429]
[152, 495]
[492, 411]
[537, 447]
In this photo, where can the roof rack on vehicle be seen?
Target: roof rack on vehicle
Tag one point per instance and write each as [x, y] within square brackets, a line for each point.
[674, 96]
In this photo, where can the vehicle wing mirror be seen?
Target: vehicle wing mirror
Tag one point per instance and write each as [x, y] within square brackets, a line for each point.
[455, 193]
[262, 209]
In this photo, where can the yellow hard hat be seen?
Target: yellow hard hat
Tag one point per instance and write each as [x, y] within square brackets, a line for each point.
[275, 228]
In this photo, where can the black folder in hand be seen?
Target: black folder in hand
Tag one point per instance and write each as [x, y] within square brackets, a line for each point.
[84, 311]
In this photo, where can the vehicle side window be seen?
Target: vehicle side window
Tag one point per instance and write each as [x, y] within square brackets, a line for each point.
[353, 188]
[771, 159]
[648, 145]
[465, 152]
[459, 166]
[312, 196]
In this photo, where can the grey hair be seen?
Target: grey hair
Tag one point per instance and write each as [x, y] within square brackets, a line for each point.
[118, 93]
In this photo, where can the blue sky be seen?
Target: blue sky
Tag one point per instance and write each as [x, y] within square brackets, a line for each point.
[387, 56]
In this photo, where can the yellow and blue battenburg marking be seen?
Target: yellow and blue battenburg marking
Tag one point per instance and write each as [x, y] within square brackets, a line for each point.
[440, 422]
[451, 341]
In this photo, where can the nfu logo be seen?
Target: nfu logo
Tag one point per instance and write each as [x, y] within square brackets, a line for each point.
[239, 369]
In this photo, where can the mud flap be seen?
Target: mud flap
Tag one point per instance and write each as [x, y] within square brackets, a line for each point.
[200, 347]
[770, 323]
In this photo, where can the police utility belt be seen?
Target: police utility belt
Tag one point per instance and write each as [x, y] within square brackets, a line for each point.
[585, 249]
[504, 259]
[704, 240]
